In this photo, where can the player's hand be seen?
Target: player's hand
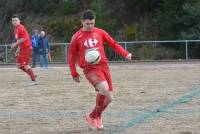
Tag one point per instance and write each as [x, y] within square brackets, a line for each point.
[77, 79]
[129, 57]
[14, 45]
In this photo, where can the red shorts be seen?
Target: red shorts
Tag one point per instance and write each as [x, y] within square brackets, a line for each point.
[24, 56]
[98, 74]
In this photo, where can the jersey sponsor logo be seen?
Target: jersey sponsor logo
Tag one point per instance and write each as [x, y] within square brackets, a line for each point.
[94, 35]
[91, 42]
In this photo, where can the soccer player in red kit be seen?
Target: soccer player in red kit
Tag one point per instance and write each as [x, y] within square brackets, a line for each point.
[91, 37]
[24, 48]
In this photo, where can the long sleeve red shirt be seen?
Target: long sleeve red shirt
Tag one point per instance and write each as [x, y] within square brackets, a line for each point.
[21, 32]
[84, 40]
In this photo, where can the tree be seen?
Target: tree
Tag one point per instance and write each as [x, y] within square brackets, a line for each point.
[7, 8]
[191, 20]
[104, 16]
[168, 22]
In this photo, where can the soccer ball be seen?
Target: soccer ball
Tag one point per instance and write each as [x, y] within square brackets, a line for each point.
[92, 56]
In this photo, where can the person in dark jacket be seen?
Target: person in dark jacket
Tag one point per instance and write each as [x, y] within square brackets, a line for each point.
[34, 40]
[43, 50]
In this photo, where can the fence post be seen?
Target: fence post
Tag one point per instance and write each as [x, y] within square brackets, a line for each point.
[66, 53]
[186, 49]
[65, 60]
[6, 54]
[125, 47]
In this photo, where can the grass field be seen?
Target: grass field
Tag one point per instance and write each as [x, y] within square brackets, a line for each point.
[149, 98]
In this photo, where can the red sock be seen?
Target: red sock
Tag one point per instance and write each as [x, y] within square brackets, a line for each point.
[106, 103]
[31, 74]
[97, 111]
[22, 68]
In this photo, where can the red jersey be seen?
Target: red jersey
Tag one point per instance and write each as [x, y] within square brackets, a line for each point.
[84, 40]
[20, 32]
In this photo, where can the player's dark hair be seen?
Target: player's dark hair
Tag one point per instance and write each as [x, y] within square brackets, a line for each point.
[15, 16]
[88, 15]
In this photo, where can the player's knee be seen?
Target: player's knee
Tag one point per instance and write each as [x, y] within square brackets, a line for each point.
[26, 67]
[103, 89]
[108, 94]
[104, 92]
[103, 85]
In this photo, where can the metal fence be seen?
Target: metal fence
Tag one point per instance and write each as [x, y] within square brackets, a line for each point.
[164, 50]
[142, 50]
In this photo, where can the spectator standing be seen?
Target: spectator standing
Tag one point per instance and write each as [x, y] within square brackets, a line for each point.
[34, 40]
[43, 50]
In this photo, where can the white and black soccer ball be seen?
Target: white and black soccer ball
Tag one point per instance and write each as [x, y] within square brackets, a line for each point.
[92, 56]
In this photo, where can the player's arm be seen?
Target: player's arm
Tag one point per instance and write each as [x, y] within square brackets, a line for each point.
[21, 36]
[72, 53]
[115, 46]
[19, 41]
[17, 52]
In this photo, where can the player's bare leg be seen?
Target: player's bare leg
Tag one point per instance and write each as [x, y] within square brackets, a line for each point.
[103, 99]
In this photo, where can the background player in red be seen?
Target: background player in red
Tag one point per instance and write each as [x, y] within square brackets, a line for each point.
[24, 48]
[91, 37]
